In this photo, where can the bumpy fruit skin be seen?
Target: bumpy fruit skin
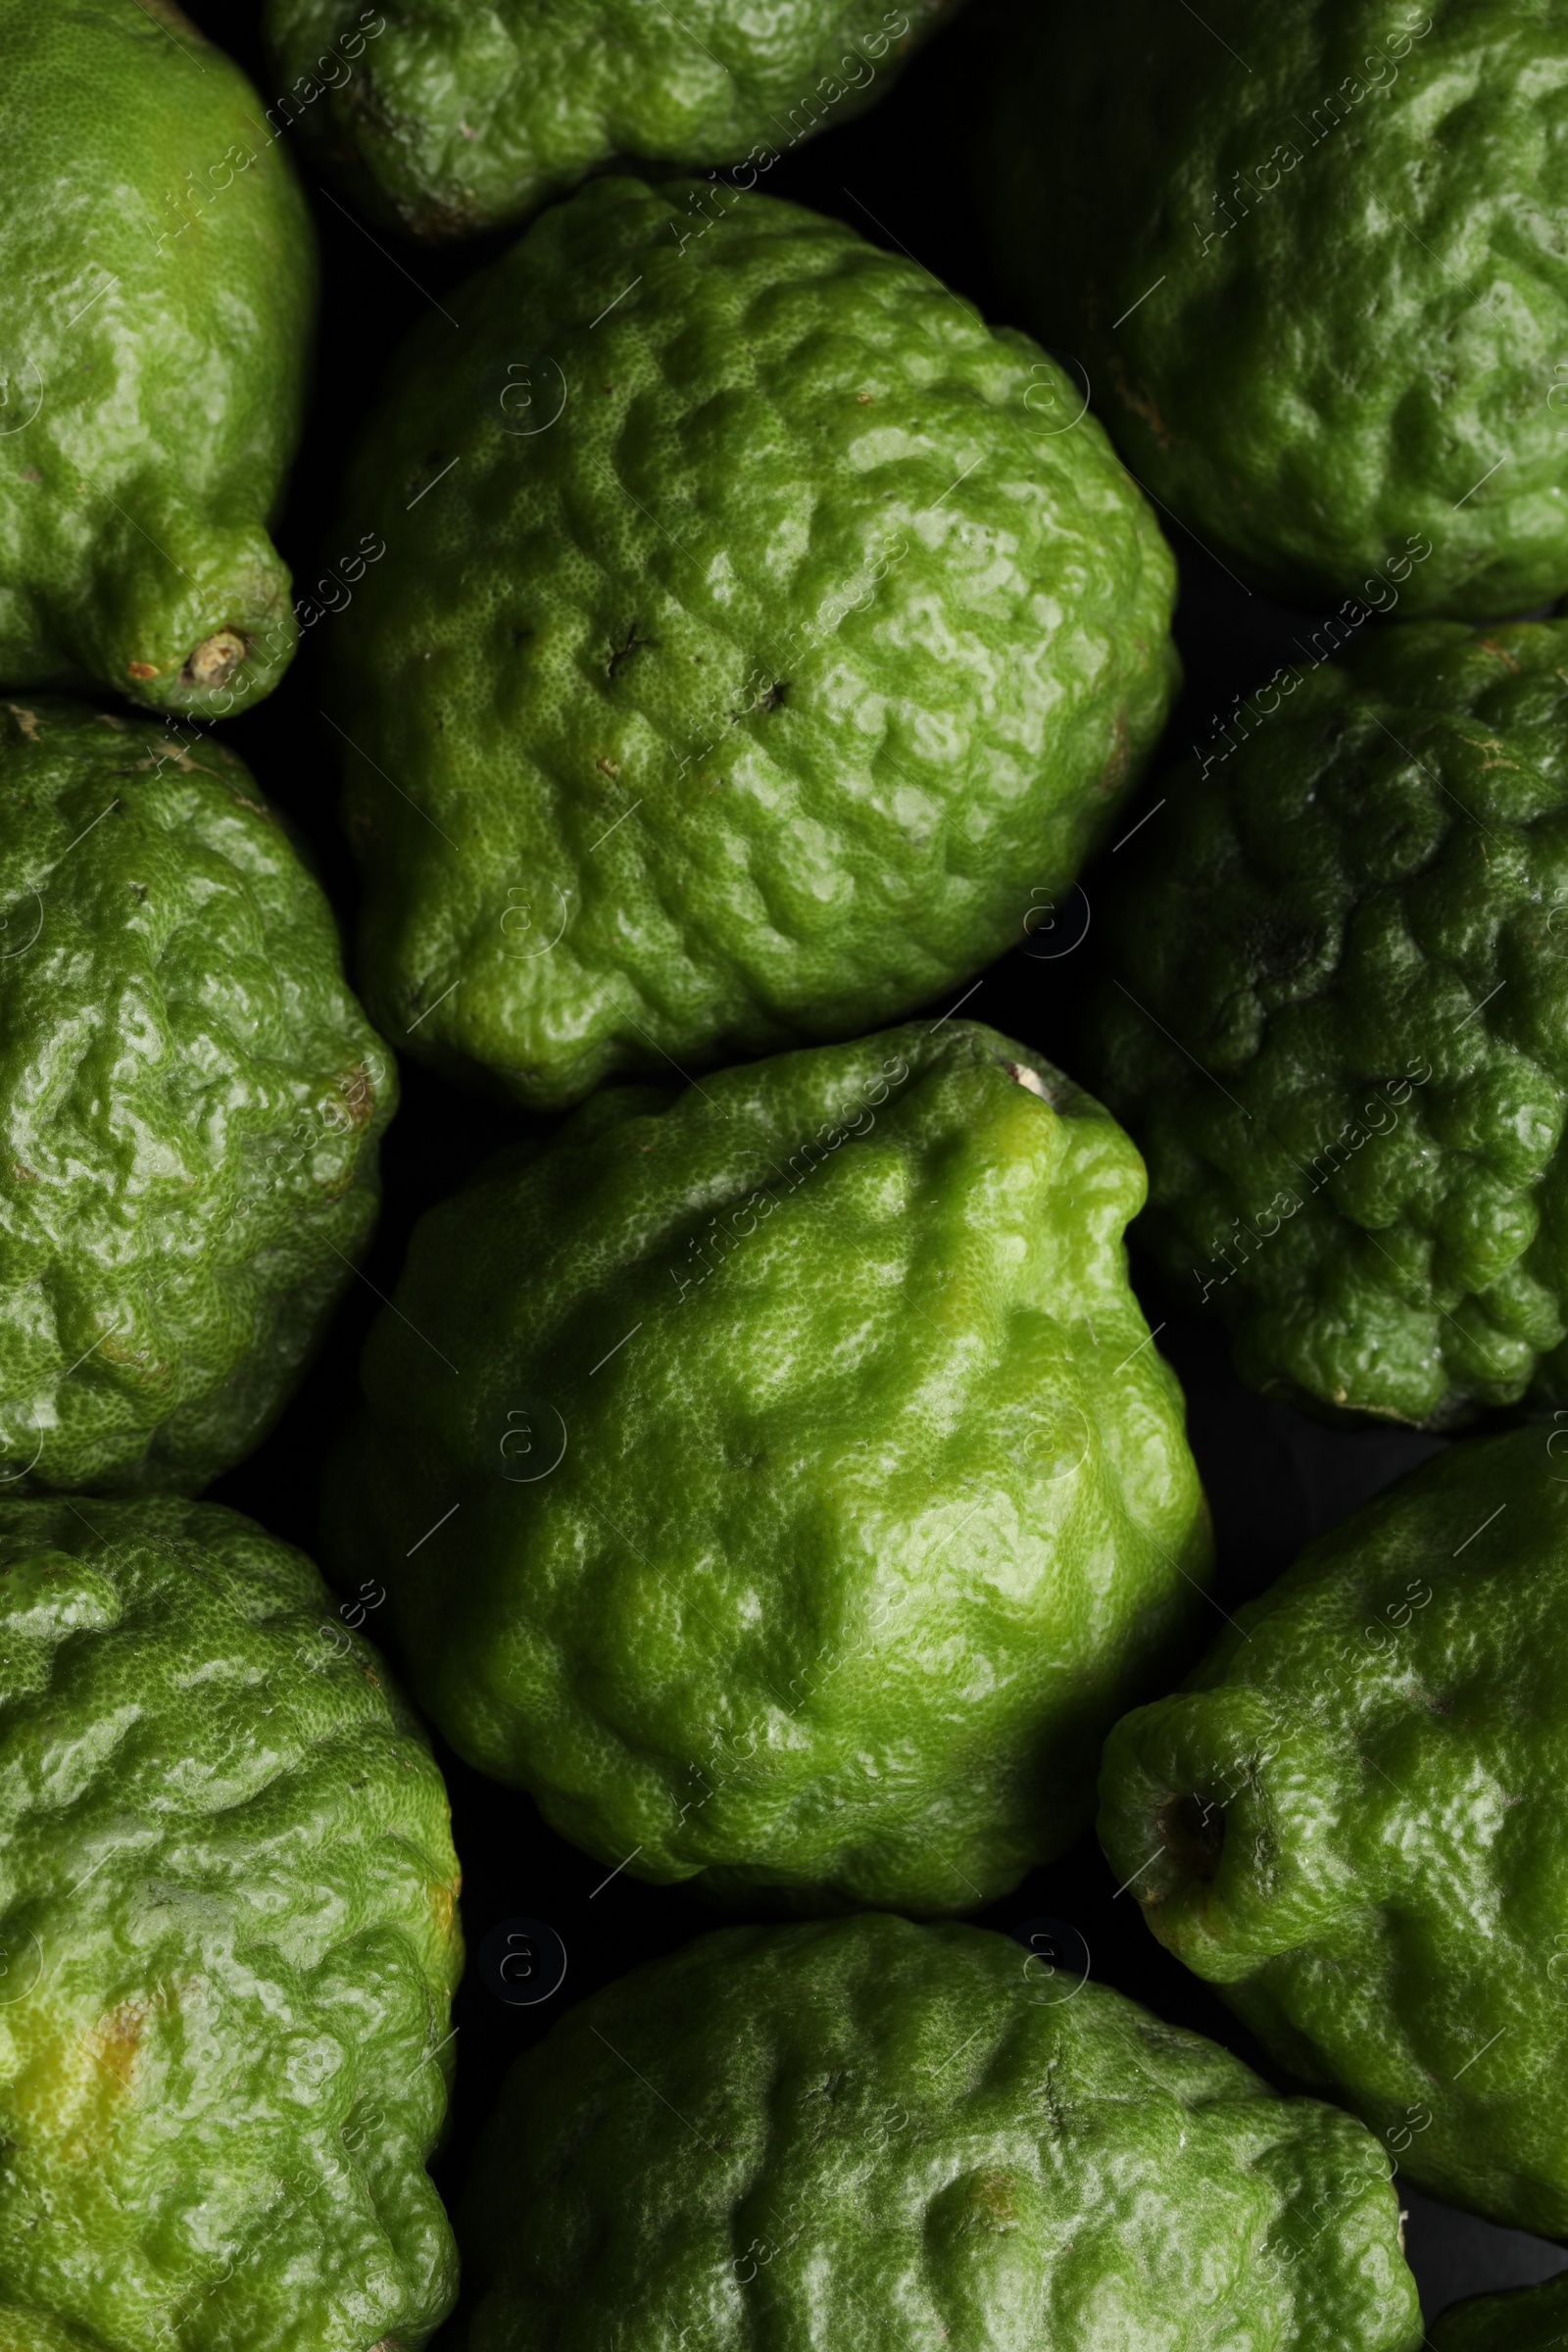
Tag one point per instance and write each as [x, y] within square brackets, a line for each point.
[1338, 1025]
[757, 657]
[868, 2133]
[1534, 2318]
[191, 1104]
[157, 291]
[226, 1907]
[1306, 255]
[809, 1487]
[1351, 1820]
[454, 118]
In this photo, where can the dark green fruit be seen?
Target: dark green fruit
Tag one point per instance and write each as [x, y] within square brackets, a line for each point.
[1338, 1025]
[869, 2133]
[1534, 2319]
[156, 290]
[191, 1104]
[229, 1943]
[1350, 1820]
[777, 1478]
[454, 118]
[1306, 255]
[754, 656]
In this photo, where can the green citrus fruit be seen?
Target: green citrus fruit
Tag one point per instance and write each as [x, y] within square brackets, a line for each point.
[452, 119]
[1350, 1819]
[777, 1478]
[1336, 1023]
[1533, 2318]
[755, 655]
[191, 1104]
[158, 271]
[227, 1949]
[867, 2132]
[1304, 254]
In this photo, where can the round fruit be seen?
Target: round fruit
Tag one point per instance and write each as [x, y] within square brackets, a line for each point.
[1339, 1025]
[754, 658]
[158, 270]
[777, 1478]
[1318, 296]
[191, 1102]
[229, 1945]
[457, 120]
[1350, 1820]
[1534, 2318]
[868, 2133]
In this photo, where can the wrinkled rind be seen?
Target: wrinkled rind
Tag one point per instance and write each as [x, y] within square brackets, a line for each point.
[881, 2134]
[190, 1107]
[1381, 1742]
[156, 329]
[225, 1839]
[1370, 881]
[1369, 344]
[805, 1548]
[773, 683]
[1534, 2318]
[450, 120]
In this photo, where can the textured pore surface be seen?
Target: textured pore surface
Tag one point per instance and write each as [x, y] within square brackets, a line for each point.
[1532, 2319]
[878, 2135]
[459, 117]
[1339, 1024]
[1314, 260]
[755, 656]
[228, 1926]
[190, 1101]
[157, 289]
[821, 1496]
[1351, 1821]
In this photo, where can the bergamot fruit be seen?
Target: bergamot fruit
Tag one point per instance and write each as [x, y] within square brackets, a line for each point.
[1351, 1820]
[157, 296]
[1337, 1023]
[191, 1104]
[778, 1478]
[1533, 2318]
[867, 2132]
[229, 1945]
[754, 655]
[453, 119]
[1306, 258]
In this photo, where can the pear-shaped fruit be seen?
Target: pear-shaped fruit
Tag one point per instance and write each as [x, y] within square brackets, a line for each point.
[157, 287]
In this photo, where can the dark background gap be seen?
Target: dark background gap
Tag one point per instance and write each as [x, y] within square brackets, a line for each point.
[900, 175]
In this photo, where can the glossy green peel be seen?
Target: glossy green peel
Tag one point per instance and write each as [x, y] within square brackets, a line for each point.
[753, 656]
[1350, 1819]
[1534, 2318]
[156, 290]
[226, 1913]
[777, 1478]
[190, 1106]
[1335, 1022]
[452, 119]
[874, 2134]
[1309, 259]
